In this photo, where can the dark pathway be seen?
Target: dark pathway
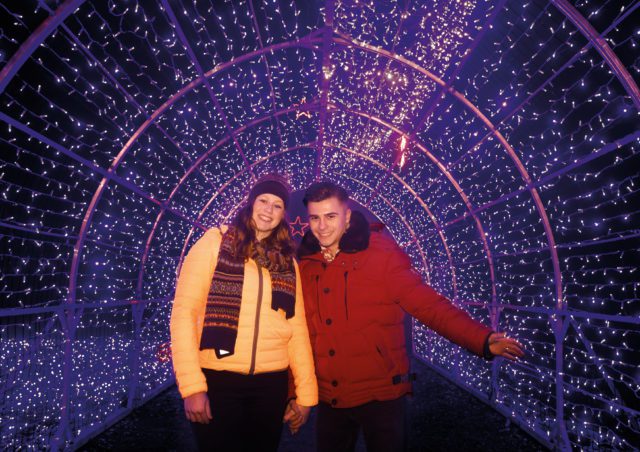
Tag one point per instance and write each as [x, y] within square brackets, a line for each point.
[442, 417]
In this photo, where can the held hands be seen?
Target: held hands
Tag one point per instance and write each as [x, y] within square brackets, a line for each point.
[501, 345]
[197, 408]
[296, 415]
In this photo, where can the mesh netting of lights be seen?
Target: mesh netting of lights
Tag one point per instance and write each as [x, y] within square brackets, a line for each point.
[498, 141]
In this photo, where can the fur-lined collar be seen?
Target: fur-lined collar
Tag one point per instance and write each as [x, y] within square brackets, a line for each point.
[355, 239]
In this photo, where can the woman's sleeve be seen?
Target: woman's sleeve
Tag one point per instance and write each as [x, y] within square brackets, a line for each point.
[300, 354]
[188, 305]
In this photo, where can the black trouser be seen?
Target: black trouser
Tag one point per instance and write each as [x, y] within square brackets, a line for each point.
[247, 411]
[382, 425]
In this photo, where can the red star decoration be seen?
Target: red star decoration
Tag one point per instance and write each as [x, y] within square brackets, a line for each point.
[298, 227]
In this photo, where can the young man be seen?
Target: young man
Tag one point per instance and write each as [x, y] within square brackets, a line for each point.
[357, 287]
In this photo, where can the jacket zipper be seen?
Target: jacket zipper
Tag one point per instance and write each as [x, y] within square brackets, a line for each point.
[346, 308]
[256, 328]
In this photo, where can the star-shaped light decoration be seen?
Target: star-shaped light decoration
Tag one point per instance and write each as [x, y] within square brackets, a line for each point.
[298, 227]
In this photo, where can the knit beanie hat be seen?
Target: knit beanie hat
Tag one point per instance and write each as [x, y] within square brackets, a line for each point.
[273, 185]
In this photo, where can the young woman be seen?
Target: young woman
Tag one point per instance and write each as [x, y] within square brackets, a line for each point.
[238, 324]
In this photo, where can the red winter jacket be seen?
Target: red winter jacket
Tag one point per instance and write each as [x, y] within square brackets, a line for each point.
[355, 308]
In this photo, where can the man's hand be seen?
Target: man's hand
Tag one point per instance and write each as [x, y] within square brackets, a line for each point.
[197, 408]
[296, 415]
[501, 345]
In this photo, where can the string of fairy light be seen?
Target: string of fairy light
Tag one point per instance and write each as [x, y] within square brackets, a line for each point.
[407, 83]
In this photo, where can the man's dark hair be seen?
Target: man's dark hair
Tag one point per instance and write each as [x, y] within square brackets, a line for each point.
[320, 191]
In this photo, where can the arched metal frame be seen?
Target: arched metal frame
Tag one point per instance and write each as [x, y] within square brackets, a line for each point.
[320, 40]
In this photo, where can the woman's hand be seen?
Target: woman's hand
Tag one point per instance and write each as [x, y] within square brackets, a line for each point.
[501, 345]
[197, 408]
[296, 415]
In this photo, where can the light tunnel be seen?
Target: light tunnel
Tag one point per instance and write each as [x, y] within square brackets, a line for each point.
[496, 140]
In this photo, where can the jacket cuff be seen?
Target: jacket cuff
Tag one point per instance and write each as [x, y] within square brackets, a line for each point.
[486, 352]
[291, 390]
[307, 401]
[192, 389]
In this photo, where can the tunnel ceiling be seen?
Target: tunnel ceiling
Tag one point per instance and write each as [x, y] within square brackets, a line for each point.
[497, 140]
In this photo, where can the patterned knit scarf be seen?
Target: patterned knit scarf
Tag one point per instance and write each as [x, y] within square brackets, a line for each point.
[225, 296]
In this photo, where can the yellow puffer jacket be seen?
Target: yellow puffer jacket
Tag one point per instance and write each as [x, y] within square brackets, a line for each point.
[280, 342]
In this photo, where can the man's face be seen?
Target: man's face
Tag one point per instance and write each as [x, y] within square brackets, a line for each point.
[328, 221]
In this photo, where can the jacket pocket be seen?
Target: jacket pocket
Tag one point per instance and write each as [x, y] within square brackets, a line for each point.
[377, 349]
[383, 357]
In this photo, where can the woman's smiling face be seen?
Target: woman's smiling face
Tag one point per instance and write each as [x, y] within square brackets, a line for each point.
[267, 213]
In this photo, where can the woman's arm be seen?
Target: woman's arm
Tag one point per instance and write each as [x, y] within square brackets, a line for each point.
[188, 306]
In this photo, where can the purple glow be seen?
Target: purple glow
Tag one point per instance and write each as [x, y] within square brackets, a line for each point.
[128, 128]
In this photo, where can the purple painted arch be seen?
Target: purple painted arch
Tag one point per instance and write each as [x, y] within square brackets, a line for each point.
[165, 106]
[153, 117]
[385, 124]
[459, 97]
[439, 228]
[370, 48]
[204, 209]
[406, 186]
[69, 6]
[629, 84]
[264, 118]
